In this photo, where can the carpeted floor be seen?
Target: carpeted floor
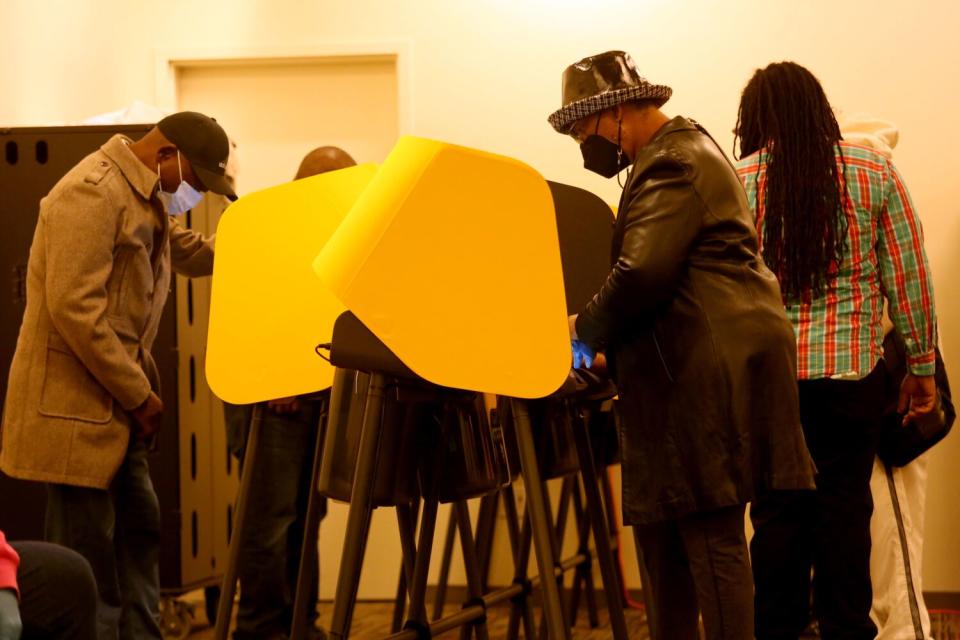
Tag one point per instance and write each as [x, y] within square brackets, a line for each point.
[372, 620]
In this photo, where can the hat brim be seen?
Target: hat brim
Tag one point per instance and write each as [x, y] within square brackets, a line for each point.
[563, 119]
[215, 182]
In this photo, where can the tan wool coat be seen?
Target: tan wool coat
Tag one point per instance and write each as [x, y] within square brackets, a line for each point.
[97, 280]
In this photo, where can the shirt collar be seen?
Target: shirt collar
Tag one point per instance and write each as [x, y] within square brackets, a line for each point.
[140, 177]
[678, 123]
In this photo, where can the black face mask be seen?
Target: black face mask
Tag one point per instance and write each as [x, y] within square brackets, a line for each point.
[602, 156]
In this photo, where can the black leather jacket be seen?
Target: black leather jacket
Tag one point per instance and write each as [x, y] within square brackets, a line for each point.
[700, 347]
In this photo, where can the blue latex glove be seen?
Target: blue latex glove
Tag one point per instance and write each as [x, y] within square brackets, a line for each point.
[10, 624]
[583, 355]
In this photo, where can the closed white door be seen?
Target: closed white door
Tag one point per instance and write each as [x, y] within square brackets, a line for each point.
[276, 112]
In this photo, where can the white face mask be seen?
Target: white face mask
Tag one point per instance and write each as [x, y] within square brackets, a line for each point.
[181, 200]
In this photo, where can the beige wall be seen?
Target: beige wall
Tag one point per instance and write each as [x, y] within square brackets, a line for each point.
[486, 74]
[277, 112]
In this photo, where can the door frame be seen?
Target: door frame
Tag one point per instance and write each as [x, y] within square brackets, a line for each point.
[169, 61]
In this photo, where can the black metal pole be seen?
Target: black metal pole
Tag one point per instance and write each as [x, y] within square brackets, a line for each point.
[522, 609]
[585, 570]
[361, 511]
[407, 522]
[472, 567]
[446, 559]
[540, 523]
[601, 534]
[229, 588]
[311, 531]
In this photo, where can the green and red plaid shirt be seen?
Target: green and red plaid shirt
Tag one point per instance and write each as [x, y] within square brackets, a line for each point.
[840, 334]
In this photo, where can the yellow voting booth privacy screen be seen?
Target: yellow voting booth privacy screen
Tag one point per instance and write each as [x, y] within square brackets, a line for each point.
[268, 311]
[450, 257]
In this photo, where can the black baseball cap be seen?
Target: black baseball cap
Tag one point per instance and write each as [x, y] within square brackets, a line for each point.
[204, 144]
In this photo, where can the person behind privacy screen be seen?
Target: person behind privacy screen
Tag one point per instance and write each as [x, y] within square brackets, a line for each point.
[697, 342]
[82, 399]
[282, 482]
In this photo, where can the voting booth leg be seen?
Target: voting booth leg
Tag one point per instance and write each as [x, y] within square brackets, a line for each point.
[526, 537]
[486, 526]
[407, 515]
[446, 559]
[615, 531]
[562, 565]
[563, 511]
[521, 609]
[361, 511]
[407, 522]
[522, 562]
[417, 585]
[559, 532]
[601, 533]
[583, 580]
[472, 566]
[540, 524]
[400, 600]
[229, 588]
[486, 522]
[308, 549]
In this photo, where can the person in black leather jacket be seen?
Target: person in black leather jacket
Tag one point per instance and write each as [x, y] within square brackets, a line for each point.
[698, 343]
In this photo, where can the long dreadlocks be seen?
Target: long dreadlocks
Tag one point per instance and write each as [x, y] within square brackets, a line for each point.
[784, 111]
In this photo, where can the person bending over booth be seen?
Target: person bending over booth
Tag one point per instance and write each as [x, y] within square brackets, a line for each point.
[83, 398]
[697, 342]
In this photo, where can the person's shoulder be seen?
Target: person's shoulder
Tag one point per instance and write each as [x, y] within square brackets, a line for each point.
[667, 153]
[864, 158]
[690, 146]
[674, 137]
[93, 178]
[654, 165]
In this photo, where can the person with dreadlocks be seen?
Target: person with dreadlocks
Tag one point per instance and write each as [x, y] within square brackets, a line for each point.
[838, 228]
[698, 344]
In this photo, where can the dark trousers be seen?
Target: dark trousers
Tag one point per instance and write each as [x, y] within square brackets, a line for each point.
[827, 530]
[270, 554]
[698, 565]
[118, 532]
[58, 594]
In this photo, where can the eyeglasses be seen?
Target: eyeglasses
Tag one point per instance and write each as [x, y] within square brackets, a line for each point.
[576, 131]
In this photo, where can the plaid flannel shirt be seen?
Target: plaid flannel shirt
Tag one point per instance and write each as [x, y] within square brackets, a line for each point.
[840, 334]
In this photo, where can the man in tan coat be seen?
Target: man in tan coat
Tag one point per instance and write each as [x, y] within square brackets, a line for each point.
[82, 398]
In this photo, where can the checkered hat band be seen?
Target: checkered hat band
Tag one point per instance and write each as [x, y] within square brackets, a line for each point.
[563, 118]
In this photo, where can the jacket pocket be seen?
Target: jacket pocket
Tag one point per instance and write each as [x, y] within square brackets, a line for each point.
[69, 390]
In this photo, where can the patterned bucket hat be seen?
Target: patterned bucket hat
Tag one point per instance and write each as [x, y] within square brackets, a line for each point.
[600, 82]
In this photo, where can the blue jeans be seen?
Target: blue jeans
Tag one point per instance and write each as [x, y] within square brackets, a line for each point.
[118, 532]
[270, 554]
